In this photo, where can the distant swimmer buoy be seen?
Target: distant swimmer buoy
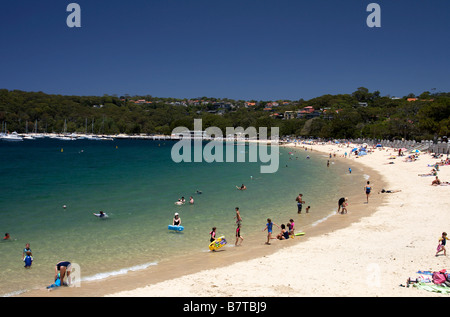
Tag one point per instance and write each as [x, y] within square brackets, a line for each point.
[64, 206]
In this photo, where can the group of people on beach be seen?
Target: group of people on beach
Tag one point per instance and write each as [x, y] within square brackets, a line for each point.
[284, 234]
[434, 172]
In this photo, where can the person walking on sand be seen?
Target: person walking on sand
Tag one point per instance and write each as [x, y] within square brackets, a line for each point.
[367, 189]
[441, 246]
[269, 227]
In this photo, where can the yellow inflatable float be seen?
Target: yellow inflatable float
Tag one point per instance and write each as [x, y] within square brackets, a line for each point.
[217, 244]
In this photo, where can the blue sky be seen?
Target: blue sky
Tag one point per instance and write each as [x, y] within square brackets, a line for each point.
[246, 49]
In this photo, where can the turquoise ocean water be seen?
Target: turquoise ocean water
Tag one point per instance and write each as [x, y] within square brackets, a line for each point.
[136, 183]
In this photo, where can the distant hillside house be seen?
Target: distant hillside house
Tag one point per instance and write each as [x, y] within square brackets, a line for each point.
[277, 115]
[305, 112]
[417, 99]
[288, 115]
[141, 102]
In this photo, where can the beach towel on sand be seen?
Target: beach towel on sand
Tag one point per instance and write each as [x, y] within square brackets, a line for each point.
[433, 288]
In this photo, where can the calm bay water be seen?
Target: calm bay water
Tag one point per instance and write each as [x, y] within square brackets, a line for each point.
[136, 183]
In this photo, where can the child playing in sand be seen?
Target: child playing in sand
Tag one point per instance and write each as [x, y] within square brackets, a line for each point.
[291, 226]
[268, 227]
[284, 234]
[441, 246]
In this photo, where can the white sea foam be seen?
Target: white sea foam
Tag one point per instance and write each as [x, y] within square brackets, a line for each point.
[323, 219]
[101, 276]
[15, 293]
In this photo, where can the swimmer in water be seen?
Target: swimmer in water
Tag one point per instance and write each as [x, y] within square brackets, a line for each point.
[242, 187]
[100, 215]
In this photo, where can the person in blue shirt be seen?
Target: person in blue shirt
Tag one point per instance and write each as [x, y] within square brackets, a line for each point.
[268, 227]
[28, 259]
[25, 250]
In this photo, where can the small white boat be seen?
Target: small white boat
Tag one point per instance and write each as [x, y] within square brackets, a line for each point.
[11, 137]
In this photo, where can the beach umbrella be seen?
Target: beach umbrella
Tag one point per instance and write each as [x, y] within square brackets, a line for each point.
[362, 153]
[379, 145]
[355, 149]
[415, 151]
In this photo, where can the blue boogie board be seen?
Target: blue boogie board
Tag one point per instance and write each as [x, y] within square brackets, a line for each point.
[176, 228]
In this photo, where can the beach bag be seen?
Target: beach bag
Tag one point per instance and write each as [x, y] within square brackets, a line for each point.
[439, 278]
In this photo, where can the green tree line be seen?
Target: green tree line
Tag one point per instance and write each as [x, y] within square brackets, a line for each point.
[362, 114]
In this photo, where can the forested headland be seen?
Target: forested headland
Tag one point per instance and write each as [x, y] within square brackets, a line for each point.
[362, 114]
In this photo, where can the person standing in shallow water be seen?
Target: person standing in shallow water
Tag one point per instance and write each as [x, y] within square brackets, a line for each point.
[300, 203]
[64, 268]
[238, 216]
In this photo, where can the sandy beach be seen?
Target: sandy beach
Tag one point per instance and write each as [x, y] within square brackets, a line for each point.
[367, 252]
[370, 257]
